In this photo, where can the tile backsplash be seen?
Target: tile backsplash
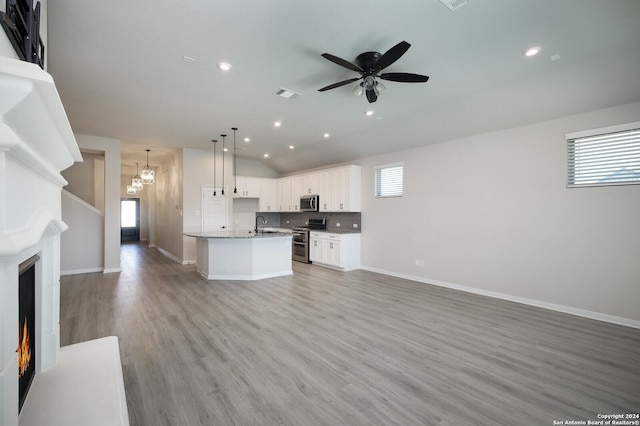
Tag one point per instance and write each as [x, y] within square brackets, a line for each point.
[336, 221]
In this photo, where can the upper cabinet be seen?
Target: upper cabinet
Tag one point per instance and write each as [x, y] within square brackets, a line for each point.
[268, 200]
[311, 184]
[283, 193]
[348, 182]
[248, 187]
[339, 190]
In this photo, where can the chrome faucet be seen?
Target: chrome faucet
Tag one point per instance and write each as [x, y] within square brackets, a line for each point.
[263, 222]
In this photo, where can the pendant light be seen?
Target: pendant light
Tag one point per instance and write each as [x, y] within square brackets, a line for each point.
[214, 166]
[148, 175]
[222, 191]
[130, 189]
[235, 174]
[136, 181]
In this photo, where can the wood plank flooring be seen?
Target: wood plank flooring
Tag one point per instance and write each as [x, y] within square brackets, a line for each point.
[323, 347]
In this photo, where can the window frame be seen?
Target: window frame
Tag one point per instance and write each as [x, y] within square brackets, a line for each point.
[571, 139]
[376, 180]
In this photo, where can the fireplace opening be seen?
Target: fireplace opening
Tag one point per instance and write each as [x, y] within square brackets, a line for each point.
[26, 327]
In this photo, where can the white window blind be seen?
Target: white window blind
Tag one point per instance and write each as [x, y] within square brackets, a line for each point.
[606, 159]
[389, 180]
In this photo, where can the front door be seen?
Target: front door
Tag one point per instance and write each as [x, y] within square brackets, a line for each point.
[130, 219]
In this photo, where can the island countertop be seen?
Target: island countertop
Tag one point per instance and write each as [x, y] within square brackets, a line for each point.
[241, 233]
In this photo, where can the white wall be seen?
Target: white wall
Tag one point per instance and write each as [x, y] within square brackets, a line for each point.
[491, 213]
[168, 207]
[111, 149]
[81, 178]
[86, 224]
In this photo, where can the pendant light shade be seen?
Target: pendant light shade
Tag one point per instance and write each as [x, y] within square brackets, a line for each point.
[222, 191]
[136, 181]
[148, 175]
[235, 174]
[130, 189]
[214, 166]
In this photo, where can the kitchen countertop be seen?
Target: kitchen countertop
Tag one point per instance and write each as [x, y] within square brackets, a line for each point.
[241, 233]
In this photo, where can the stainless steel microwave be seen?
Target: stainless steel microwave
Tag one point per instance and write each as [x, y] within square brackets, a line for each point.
[309, 203]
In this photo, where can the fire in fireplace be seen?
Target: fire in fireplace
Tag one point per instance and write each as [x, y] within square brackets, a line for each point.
[26, 328]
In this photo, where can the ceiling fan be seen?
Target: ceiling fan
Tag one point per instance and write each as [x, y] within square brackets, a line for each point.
[369, 65]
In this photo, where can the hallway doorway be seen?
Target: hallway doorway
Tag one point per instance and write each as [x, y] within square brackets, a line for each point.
[129, 219]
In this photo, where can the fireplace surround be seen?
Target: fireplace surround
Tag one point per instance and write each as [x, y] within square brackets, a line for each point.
[36, 144]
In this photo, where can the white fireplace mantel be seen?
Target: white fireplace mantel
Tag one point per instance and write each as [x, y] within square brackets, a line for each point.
[36, 144]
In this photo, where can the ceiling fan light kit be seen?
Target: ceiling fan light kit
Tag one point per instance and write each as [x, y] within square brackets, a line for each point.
[369, 65]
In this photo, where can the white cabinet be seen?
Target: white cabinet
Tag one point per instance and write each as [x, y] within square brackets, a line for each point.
[296, 192]
[288, 191]
[339, 189]
[255, 187]
[283, 191]
[268, 201]
[347, 189]
[316, 247]
[337, 251]
[326, 184]
[311, 184]
[248, 187]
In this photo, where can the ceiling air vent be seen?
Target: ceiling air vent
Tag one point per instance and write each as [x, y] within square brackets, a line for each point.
[288, 94]
[454, 4]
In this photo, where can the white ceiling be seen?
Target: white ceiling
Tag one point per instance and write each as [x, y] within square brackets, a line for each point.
[120, 71]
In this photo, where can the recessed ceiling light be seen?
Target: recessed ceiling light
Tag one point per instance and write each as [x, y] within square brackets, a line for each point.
[369, 113]
[277, 123]
[532, 51]
[266, 156]
[247, 140]
[224, 66]
[291, 146]
[188, 59]
[226, 150]
[326, 135]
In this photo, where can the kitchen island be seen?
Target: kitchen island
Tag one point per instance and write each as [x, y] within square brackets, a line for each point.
[242, 255]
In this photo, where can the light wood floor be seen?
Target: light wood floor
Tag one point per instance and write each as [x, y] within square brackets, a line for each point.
[328, 348]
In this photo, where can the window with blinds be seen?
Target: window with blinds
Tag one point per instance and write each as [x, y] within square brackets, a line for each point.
[389, 180]
[611, 158]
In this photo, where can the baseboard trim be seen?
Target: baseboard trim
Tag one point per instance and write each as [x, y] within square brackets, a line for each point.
[523, 300]
[169, 255]
[81, 271]
[111, 270]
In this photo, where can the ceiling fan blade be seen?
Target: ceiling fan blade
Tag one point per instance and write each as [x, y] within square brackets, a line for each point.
[392, 55]
[342, 62]
[371, 96]
[404, 77]
[338, 84]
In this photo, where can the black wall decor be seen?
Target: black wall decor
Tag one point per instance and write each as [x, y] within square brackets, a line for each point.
[21, 22]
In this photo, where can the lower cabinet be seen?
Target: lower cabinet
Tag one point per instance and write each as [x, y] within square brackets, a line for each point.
[338, 251]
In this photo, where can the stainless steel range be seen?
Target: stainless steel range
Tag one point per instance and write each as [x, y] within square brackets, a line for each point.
[300, 251]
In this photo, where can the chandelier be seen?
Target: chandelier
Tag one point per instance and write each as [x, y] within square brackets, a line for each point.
[130, 188]
[148, 175]
[136, 181]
